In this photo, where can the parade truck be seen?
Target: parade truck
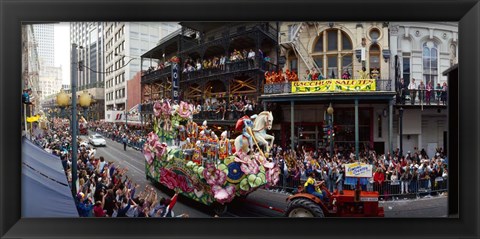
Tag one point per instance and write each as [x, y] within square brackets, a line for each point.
[184, 156]
[345, 203]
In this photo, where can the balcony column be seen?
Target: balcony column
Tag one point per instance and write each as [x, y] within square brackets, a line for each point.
[292, 125]
[390, 127]
[357, 133]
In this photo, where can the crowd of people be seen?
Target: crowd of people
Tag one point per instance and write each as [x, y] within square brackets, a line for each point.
[219, 109]
[392, 174]
[104, 189]
[219, 62]
[425, 92]
[133, 135]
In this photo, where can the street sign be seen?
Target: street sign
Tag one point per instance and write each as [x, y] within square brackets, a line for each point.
[175, 82]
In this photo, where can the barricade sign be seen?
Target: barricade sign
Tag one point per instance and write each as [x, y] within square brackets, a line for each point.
[358, 170]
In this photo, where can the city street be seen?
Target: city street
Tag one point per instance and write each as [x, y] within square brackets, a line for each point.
[256, 204]
[261, 203]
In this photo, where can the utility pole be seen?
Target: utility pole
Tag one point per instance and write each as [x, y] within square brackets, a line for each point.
[74, 122]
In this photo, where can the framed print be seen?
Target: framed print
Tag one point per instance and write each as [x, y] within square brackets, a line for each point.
[232, 118]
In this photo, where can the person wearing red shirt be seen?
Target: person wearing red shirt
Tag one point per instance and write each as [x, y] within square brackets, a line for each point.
[378, 179]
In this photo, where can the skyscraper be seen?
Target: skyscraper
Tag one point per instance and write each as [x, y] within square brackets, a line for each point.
[50, 76]
[91, 74]
[125, 42]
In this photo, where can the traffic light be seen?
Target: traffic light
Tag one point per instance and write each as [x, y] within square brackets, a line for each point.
[81, 65]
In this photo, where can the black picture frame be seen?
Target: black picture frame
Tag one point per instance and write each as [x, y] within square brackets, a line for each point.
[464, 128]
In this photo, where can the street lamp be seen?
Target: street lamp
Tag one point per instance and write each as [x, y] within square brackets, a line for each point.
[401, 132]
[330, 122]
[62, 101]
[85, 101]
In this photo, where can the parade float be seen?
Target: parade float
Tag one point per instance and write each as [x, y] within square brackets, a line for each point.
[192, 159]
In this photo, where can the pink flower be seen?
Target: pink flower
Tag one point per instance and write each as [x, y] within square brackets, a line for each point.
[157, 109]
[241, 157]
[249, 167]
[273, 175]
[223, 195]
[182, 184]
[214, 176]
[172, 180]
[263, 161]
[184, 110]
[166, 109]
[167, 178]
[151, 147]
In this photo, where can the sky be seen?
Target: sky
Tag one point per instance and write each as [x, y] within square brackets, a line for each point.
[62, 49]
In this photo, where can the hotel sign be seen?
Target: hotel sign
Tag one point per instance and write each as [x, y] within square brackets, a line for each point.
[175, 82]
[333, 85]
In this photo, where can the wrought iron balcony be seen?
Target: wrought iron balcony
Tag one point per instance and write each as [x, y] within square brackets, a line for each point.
[422, 98]
[154, 75]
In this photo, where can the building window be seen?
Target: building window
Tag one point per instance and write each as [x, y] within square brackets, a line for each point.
[374, 61]
[333, 53]
[374, 34]
[406, 69]
[430, 62]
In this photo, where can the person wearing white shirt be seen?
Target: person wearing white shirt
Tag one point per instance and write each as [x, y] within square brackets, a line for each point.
[412, 87]
[251, 58]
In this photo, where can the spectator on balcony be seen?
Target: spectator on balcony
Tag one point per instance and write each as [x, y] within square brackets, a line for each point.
[412, 88]
[346, 75]
[421, 91]
[402, 88]
[444, 93]
[314, 73]
[245, 54]
[222, 62]
[251, 58]
[308, 75]
[260, 56]
[191, 68]
[439, 92]
[363, 73]
[429, 89]
[267, 59]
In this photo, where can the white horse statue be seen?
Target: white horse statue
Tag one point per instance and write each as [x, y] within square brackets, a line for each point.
[262, 122]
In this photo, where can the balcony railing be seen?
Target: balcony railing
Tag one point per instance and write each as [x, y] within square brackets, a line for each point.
[422, 97]
[279, 88]
[148, 76]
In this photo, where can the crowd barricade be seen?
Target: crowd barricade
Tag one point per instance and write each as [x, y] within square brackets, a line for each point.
[388, 190]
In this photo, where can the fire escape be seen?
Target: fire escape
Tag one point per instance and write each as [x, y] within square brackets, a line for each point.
[292, 40]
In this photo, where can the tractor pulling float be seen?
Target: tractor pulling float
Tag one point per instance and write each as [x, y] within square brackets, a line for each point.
[348, 203]
[191, 159]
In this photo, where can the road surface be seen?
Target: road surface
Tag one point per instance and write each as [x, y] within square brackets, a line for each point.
[261, 203]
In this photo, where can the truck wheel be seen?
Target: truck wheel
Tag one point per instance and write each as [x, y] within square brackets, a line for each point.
[219, 209]
[302, 207]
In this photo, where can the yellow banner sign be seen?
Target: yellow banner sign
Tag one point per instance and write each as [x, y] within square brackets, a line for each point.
[358, 170]
[333, 85]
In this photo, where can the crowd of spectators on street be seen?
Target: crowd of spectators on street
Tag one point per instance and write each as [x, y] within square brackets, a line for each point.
[104, 189]
[392, 174]
[134, 135]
